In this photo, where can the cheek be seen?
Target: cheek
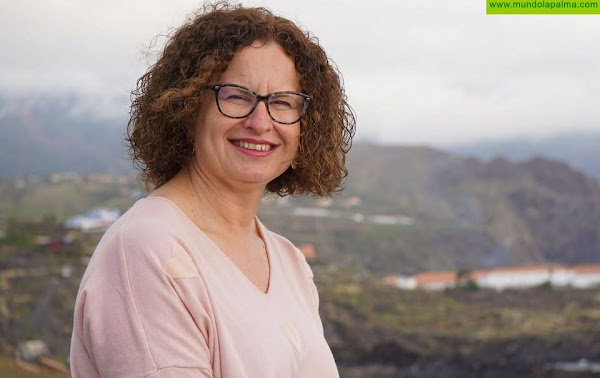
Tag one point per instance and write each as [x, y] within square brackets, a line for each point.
[295, 139]
[294, 146]
[211, 128]
[208, 117]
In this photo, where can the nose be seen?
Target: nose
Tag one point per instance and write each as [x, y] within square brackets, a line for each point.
[259, 120]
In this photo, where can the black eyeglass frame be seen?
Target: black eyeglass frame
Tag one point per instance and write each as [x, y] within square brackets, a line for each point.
[259, 98]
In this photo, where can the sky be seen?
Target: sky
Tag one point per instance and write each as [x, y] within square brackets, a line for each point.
[429, 72]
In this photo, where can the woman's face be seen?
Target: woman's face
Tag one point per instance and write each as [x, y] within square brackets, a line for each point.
[254, 149]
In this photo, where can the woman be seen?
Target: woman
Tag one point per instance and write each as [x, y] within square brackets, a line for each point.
[188, 282]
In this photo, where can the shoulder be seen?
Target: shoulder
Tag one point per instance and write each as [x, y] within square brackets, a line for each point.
[150, 222]
[131, 301]
[141, 255]
[144, 237]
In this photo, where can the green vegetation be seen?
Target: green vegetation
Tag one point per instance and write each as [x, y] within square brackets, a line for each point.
[360, 313]
[464, 215]
[33, 200]
[8, 368]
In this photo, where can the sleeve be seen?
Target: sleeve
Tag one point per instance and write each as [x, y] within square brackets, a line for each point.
[129, 320]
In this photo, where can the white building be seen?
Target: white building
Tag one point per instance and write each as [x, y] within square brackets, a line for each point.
[315, 212]
[580, 277]
[425, 281]
[585, 276]
[95, 220]
[402, 282]
[391, 219]
[514, 278]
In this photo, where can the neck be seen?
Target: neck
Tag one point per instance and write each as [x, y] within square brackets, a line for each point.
[218, 208]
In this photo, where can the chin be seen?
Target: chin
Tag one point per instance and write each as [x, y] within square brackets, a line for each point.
[257, 178]
[253, 174]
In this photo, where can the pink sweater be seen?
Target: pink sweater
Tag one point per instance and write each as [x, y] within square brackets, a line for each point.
[159, 299]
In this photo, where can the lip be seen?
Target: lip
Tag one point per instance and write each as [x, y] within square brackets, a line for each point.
[253, 153]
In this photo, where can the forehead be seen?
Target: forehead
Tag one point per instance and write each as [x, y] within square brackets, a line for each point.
[264, 68]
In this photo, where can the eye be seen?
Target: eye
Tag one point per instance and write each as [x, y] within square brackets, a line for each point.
[235, 95]
[280, 104]
[285, 101]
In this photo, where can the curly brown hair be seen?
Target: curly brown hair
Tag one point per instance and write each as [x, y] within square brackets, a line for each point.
[168, 96]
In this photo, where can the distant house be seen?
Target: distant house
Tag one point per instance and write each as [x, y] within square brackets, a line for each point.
[586, 276]
[95, 220]
[42, 240]
[308, 250]
[402, 282]
[436, 280]
[358, 217]
[57, 178]
[59, 245]
[102, 178]
[383, 219]
[352, 202]
[581, 276]
[425, 281]
[325, 202]
[515, 277]
[391, 219]
[315, 212]
[31, 350]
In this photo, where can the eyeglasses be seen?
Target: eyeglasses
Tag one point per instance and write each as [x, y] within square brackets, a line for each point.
[237, 101]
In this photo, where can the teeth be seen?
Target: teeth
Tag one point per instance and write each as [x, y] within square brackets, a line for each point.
[252, 146]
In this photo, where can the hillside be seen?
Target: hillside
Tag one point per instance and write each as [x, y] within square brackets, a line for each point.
[419, 209]
[578, 149]
[510, 213]
[47, 135]
[466, 213]
[454, 213]
[43, 134]
[374, 330]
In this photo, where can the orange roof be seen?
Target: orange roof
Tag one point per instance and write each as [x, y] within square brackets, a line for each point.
[429, 277]
[586, 268]
[308, 250]
[475, 274]
[390, 280]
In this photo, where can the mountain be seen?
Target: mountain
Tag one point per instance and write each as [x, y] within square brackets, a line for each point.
[43, 135]
[581, 150]
[464, 213]
[471, 213]
[49, 133]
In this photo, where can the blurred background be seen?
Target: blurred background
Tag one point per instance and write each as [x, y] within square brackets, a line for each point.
[466, 241]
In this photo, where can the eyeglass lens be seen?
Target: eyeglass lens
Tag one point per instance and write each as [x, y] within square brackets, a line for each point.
[240, 102]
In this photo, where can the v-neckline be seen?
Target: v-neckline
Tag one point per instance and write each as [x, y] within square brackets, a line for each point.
[262, 234]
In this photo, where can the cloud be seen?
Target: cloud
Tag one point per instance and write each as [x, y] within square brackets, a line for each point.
[415, 71]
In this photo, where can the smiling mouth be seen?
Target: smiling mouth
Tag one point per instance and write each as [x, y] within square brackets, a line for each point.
[252, 146]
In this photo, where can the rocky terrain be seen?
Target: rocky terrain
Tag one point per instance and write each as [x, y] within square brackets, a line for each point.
[377, 331]
[374, 330]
